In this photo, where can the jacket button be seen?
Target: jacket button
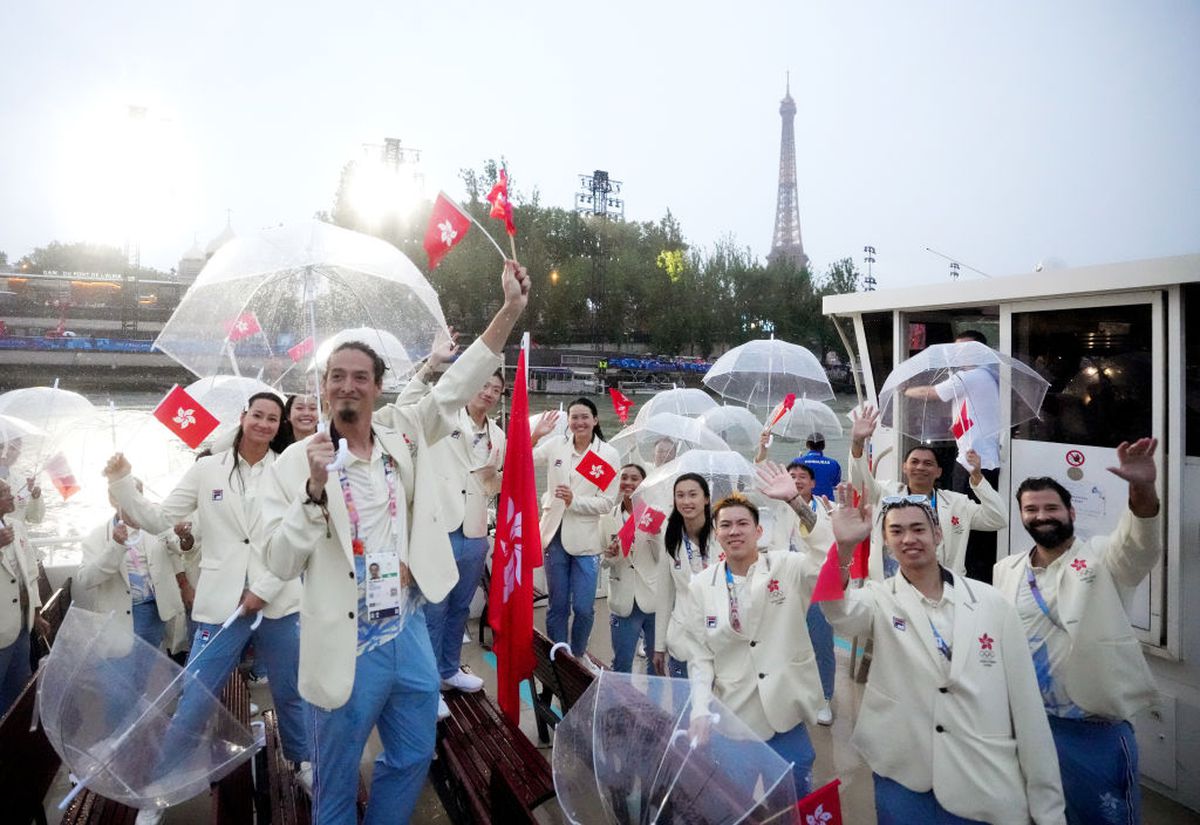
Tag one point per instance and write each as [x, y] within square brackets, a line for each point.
[351, 614]
[128, 612]
[14, 601]
[753, 643]
[245, 541]
[943, 690]
[12, 581]
[940, 729]
[762, 676]
[464, 492]
[351, 574]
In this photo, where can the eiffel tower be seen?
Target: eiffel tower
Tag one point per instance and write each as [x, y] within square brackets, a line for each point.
[786, 243]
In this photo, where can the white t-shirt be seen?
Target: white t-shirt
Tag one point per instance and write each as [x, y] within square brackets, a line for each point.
[978, 393]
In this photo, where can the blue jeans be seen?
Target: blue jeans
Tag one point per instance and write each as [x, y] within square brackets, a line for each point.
[277, 641]
[395, 687]
[821, 635]
[447, 619]
[625, 633]
[147, 626]
[676, 668]
[1099, 766]
[14, 669]
[897, 805]
[572, 584]
[792, 746]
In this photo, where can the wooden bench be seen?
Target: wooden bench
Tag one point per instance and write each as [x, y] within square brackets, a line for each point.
[93, 809]
[476, 743]
[289, 803]
[233, 795]
[54, 610]
[43, 581]
[506, 800]
[28, 764]
[565, 678]
[539, 596]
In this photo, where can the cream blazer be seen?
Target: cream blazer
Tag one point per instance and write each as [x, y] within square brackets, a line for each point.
[772, 656]
[674, 593]
[632, 579]
[580, 522]
[464, 495]
[102, 581]
[299, 542]
[233, 542]
[18, 563]
[1106, 672]
[979, 737]
[957, 514]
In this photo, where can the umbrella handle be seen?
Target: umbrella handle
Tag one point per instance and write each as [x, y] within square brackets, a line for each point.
[343, 456]
[555, 648]
[237, 614]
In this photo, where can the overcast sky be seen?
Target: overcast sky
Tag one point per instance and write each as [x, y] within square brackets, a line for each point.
[998, 133]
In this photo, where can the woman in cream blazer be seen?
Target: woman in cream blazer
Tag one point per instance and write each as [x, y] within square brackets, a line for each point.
[570, 524]
[686, 548]
[632, 578]
[19, 601]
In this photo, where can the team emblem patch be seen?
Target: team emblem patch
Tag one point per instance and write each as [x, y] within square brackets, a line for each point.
[1086, 574]
[456, 434]
[217, 495]
[558, 462]
[899, 623]
[710, 621]
[987, 656]
[775, 595]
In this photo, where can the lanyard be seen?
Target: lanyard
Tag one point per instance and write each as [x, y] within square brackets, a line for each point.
[687, 546]
[942, 647]
[735, 619]
[389, 474]
[1031, 579]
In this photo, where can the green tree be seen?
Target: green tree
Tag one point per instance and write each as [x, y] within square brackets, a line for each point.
[81, 257]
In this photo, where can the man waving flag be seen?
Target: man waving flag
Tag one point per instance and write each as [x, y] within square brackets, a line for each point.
[518, 551]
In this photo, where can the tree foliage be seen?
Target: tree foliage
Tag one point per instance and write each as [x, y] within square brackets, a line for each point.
[80, 257]
[629, 282]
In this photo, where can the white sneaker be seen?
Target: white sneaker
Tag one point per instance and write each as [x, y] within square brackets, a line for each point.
[443, 709]
[461, 680]
[466, 638]
[304, 775]
[150, 816]
[825, 715]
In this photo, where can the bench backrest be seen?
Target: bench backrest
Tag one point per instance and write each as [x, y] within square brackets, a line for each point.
[566, 676]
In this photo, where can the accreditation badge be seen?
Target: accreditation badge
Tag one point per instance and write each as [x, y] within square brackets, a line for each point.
[383, 585]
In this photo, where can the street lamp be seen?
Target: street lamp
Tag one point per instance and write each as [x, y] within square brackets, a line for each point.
[554, 277]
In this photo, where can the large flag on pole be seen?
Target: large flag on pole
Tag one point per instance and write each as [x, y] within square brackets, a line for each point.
[518, 550]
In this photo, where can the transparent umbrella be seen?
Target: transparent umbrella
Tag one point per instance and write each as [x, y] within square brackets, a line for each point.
[724, 470]
[624, 754]
[51, 410]
[664, 436]
[762, 373]
[737, 426]
[106, 701]
[805, 418]
[16, 437]
[226, 396]
[385, 344]
[684, 401]
[976, 382]
[265, 304]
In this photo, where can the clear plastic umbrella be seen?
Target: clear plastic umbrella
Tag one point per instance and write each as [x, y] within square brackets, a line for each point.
[264, 304]
[684, 401]
[624, 754]
[725, 471]
[762, 373]
[226, 396]
[43, 405]
[664, 436]
[978, 381]
[737, 426]
[805, 418]
[17, 436]
[386, 345]
[106, 702]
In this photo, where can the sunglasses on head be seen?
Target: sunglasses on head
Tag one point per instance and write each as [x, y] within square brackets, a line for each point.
[912, 500]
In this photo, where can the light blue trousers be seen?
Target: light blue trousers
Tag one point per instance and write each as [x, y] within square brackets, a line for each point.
[447, 619]
[395, 687]
[897, 805]
[625, 633]
[1099, 766]
[572, 584]
[821, 634]
[147, 626]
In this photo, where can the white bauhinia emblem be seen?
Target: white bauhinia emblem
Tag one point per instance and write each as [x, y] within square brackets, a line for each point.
[596, 471]
[184, 418]
[646, 519]
[818, 817]
[512, 564]
[449, 233]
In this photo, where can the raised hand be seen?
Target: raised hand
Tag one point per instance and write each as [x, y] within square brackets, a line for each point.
[863, 426]
[515, 282]
[320, 453]
[32, 486]
[976, 463]
[1136, 461]
[545, 425]
[851, 524]
[775, 482]
[120, 533]
[444, 349]
[117, 467]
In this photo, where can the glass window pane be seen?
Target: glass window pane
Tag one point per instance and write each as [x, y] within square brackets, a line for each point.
[878, 328]
[1099, 365]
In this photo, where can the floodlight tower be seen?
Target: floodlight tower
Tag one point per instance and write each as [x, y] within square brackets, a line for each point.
[597, 197]
[869, 258]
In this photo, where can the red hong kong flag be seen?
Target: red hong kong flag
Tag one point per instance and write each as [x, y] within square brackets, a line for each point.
[620, 403]
[448, 225]
[501, 206]
[596, 470]
[829, 581]
[183, 415]
[783, 409]
[242, 327]
[626, 534]
[302, 350]
[821, 807]
[518, 550]
[962, 422]
[61, 476]
[651, 521]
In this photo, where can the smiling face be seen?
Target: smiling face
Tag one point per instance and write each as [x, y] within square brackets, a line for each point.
[303, 417]
[690, 500]
[350, 387]
[921, 469]
[260, 423]
[738, 533]
[911, 536]
[803, 479]
[580, 421]
[1048, 520]
[630, 479]
[484, 401]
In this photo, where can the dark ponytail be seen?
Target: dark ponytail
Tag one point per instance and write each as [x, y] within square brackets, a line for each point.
[674, 534]
[587, 402]
[278, 444]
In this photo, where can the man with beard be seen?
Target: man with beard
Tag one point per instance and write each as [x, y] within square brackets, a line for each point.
[1090, 668]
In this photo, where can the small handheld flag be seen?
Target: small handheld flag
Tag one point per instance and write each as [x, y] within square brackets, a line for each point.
[184, 416]
[448, 225]
[620, 403]
[242, 327]
[596, 470]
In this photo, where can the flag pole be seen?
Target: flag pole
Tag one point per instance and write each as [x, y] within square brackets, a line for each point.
[471, 218]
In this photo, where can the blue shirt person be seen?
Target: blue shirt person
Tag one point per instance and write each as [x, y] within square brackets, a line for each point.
[826, 471]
